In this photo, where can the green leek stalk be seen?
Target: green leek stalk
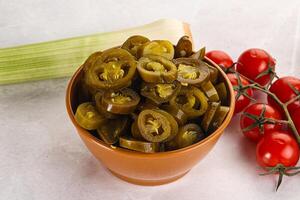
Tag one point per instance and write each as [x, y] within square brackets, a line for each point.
[60, 58]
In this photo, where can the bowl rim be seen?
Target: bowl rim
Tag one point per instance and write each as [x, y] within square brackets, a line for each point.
[218, 132]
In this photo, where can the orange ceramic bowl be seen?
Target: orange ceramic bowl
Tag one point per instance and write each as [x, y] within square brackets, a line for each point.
[140, 168]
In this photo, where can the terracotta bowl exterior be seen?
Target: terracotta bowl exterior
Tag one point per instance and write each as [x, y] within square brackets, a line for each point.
[140, 168]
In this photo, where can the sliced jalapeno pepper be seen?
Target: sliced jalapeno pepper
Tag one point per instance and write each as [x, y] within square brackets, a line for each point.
[90, 60]
[173, 123]
[214, 74]
[209, 115]
[88, 117]
[218, 118]
[187, 135]
[148, 104]
[101, 110]
[177, 113]
[222, 91]
[184, 47]
[112, 130]
[191, 71]
[199, 55]
[113, 69]
[135, 132]
[120, 102]
[210, 91]
[162, 48]
[154, 126]
[160, 92]
[156, 69]
[191, 100]
[133, 43]
[145, 147]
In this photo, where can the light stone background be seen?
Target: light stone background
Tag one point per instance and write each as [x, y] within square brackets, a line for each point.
[41, 156]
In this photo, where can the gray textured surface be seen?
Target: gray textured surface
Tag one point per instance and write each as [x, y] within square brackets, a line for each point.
[41, 156]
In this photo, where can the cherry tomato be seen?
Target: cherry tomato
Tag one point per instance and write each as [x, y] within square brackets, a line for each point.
[261, 112]
[296, 119]
[277, 147]
[220, 58]
[242, 101]
[253, 62]
[284, 92]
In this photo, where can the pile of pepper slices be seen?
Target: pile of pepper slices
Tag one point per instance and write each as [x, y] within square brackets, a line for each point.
[151, 96]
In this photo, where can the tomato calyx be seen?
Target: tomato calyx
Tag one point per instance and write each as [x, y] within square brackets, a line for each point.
[241, 89]
[269, 71]
[297, 92]
[261, 120]
[281, 170]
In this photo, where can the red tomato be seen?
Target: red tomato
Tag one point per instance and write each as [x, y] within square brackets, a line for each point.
[243, 101]
[296, 119]
[220, 58]
[253, 62]
[283, 91]
[277, 147]
[256, 109]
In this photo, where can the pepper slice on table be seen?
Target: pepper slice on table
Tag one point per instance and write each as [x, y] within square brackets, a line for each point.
[113, 69]
[191, 100]
[156, 69]
[133, 43]
[88, 117]
[141, 146]
[184, 47]
[191, 71]
[120, 102]
[154, 126]
[162, 48]
[187, 135]
[160, 92]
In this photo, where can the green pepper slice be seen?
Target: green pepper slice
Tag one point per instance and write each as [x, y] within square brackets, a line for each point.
[210, 91]
[218, 118]
[187, 135]
[156, 69]
[154, 126]
[191, 71]
[162, 48]
[101, 110]
[88, 117]
[90, 60]
[184, 47]
[120, 102]
[160, 92]
[141, 146]
[113, 69]
[112, 130]
[199, 55]
[214, 74]
[177, 113]
[133, 43]
[147, 104]
[209, 115]
[222, 91]
[173, 123]
[135, 132]
[191, 101]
